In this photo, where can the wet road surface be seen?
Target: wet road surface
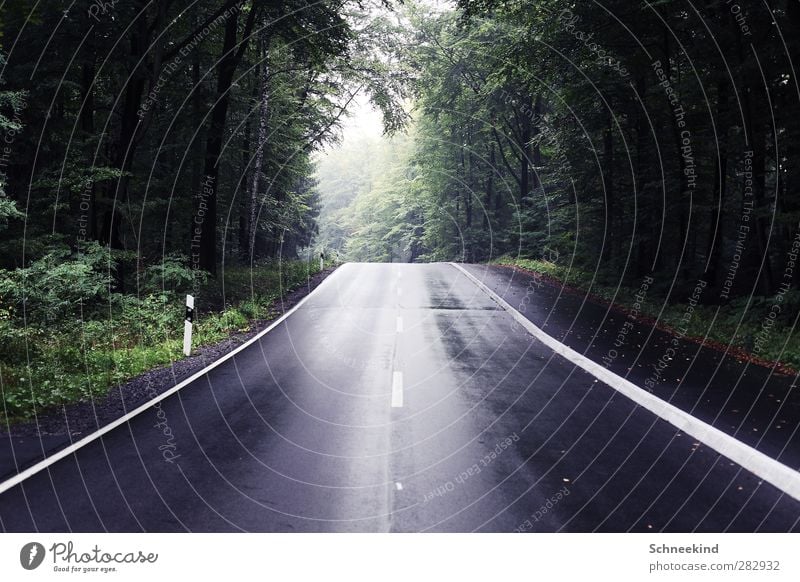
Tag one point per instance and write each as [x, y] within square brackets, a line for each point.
[402, 398]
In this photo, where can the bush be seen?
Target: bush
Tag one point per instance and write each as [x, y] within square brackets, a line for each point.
[60, 286]
[172, 274]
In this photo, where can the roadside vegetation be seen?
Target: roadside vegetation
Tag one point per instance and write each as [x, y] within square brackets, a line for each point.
[738, 324]
[67, 336]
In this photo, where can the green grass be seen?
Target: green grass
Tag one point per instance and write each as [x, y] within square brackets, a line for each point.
[44, 366]
[737, 323]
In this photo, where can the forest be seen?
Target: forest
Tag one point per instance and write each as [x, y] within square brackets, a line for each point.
[603, 145]
[151, 149]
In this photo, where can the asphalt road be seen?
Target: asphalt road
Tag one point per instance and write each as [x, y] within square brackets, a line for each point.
[402, 398]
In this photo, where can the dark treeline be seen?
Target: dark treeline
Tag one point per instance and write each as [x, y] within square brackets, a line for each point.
[177, 127]
[631, 138]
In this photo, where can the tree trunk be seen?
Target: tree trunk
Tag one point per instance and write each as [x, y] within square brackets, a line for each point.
[715, 240]
[608, 186]
[525, 158]
[87, 125]
[756, 137]
[261, 142]
[206, 215]
[489, 187]
[245, 252]
[537, 150]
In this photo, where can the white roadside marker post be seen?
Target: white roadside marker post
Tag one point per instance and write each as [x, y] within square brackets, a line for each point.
[322, 261]
[187, 325]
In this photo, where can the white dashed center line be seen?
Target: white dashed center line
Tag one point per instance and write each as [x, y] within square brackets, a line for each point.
[397, 390]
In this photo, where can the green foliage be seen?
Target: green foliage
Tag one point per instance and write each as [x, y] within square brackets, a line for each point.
[618, 140]
[62, 285]
[111, 143]
[172, 274]
[736, 323]
[117, 149]
[8, 210]
[525, 142]
[11, 106]
[43, 364]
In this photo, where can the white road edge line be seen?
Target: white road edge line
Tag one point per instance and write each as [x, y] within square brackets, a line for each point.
[55, 457]
[774, 472]
[397, 390]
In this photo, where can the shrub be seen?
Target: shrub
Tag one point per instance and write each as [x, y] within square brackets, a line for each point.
[172, 274]
[62, 285]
